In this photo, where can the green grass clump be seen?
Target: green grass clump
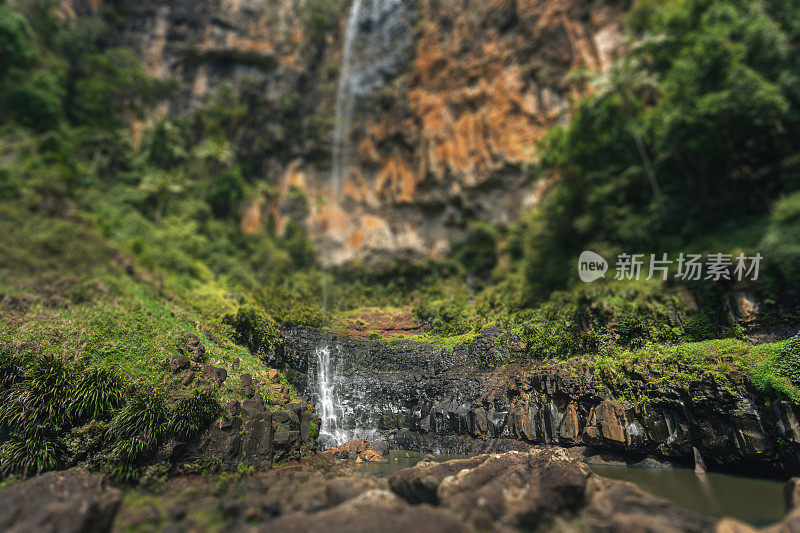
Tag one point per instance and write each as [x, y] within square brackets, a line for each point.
[28, 455]
[98, 391]
[44, 400]
[191, 415]
[41, 399]
[144, 416]
[255, 329]
[134, 432]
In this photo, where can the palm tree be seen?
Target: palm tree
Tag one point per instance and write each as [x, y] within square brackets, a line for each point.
[163, 185]
[217, 152]
[633, 84]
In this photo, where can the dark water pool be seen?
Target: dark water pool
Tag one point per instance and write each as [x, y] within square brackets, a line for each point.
[755, 501]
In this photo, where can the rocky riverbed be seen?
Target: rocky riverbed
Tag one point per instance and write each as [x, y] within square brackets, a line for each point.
[541, 489]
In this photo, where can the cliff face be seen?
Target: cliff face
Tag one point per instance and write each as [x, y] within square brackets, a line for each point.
[438, 138]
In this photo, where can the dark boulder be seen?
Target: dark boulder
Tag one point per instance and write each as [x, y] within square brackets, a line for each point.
[177, 363]
[419, 484]
[73, 500]
[215, 374]
[380, 447]
[192, 347]
[341, 489]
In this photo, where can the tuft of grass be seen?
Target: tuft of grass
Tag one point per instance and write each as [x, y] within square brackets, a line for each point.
[33, 454]
[191, 415]
[144, 416]
[40, 399]
[98, 391]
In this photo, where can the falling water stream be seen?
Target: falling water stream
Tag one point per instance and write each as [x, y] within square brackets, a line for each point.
[377, 37]
[339, 411]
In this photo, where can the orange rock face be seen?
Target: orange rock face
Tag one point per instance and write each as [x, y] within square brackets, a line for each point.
[453, 131]
[441, 140]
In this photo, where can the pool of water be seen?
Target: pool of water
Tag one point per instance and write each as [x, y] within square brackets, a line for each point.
[756, 501]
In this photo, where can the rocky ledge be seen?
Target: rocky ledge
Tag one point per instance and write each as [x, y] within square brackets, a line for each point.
[537, 490]
[476, 399]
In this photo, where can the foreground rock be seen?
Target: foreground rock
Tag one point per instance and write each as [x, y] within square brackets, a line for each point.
[537, 490]
[375, 510]
[69, 501]
[541, 489]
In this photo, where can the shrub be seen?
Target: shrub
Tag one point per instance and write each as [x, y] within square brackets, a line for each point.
[555, 333]
[632, 327]
[781, 244]
[788, 360]
[226, 192]
[34, 107]
[254, 328]
[190, 416]
[16, 47]
[32, 454]
[478, 251]
[98, 391]
[446, 318]
[302, 315]
[144, 417]
[41, 398]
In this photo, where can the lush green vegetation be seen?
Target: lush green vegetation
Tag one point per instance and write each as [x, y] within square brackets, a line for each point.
[689, 143]
[694, 131]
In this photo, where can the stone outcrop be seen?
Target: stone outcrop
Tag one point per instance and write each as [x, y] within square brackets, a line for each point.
[474, 399]
[540, 490]
[249, 434]
[71, 501]
[537, 490]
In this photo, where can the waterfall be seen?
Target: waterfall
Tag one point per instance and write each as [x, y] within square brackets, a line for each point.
[340, 412]
[377, 37]
[330, 432]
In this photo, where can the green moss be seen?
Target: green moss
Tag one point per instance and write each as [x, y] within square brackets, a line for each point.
[254, 328]
[787, 360]
[680, 364]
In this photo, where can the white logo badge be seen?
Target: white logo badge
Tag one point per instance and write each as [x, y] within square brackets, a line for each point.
[591, 266]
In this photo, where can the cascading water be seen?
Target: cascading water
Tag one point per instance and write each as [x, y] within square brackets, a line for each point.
[376, 41]
[339, 413]
[330, 432]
